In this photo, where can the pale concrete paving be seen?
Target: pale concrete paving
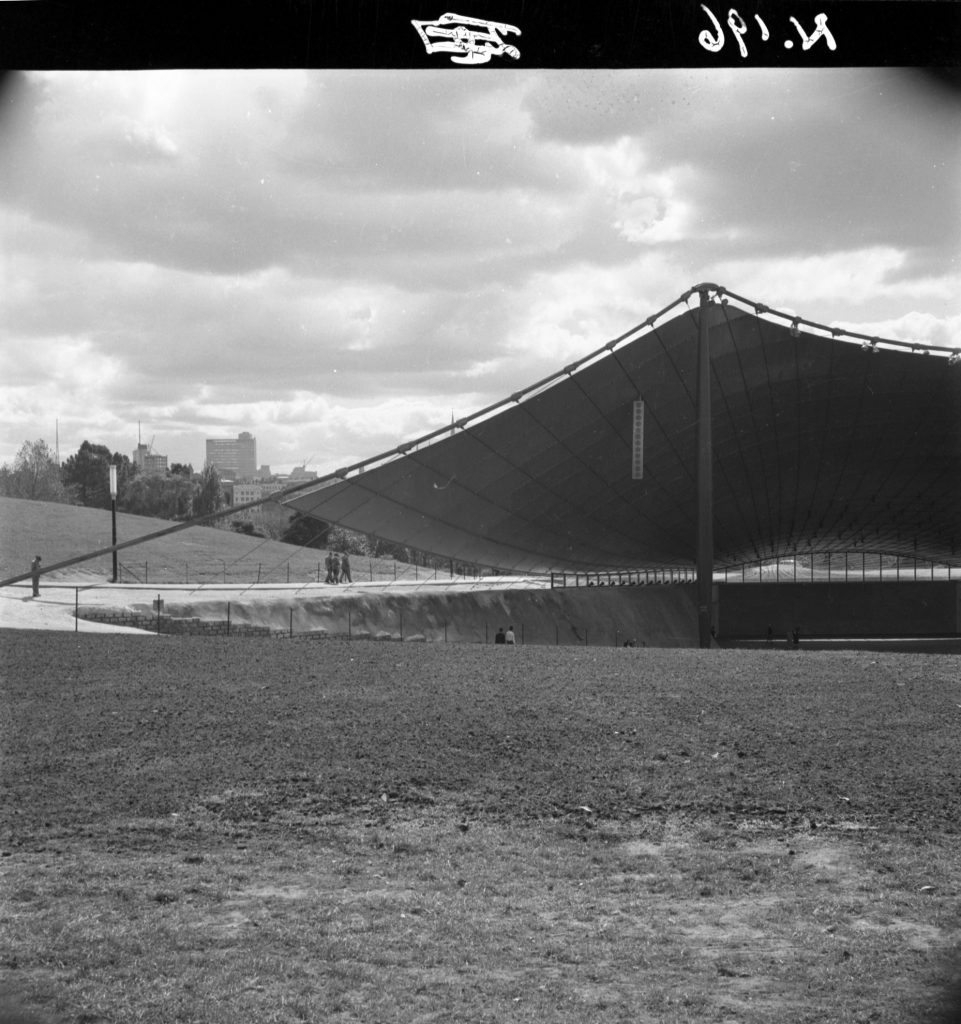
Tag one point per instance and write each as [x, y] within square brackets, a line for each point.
[60, 596]
[466, 610]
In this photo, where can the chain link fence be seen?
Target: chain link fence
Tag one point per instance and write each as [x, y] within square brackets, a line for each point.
[245, 572]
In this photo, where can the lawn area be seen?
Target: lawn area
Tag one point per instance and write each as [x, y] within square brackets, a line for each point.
[206, 830]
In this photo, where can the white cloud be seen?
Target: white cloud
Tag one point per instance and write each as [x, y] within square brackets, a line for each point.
[333, 260]
[922, 328]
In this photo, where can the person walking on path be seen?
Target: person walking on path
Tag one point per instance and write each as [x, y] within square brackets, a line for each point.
[329, 565]
[35, 570]
[499, 637]
[345, 569]
[509, 635]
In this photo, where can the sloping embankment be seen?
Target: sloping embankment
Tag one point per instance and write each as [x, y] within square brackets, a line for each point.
[658, 616]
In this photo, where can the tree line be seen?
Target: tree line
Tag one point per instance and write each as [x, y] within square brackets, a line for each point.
[84, 479]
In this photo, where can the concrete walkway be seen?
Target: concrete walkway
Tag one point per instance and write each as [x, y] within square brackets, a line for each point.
[60, 597]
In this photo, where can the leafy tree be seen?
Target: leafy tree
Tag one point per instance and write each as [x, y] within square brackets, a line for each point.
[209, 496]
[270, 519]
[87, 474]
[306, 532]
[181, 469]
[348, 540]
[167, 497]
[246, 527]
[35, 474]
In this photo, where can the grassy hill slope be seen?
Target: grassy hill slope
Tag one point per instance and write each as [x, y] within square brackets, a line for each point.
[197, 554]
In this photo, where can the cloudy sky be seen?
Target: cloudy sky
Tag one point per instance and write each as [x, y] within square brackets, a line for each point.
[338, 260]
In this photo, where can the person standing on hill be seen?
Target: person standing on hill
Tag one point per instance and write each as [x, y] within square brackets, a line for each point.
[35, 571]
[499, 637]
[345, 569]
[509, 636]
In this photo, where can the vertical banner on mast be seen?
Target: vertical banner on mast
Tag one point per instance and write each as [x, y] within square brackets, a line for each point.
[637, 448]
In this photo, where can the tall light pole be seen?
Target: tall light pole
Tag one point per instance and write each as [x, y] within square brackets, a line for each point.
[113, 515]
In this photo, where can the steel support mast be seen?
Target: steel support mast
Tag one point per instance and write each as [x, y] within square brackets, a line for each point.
[705, 480]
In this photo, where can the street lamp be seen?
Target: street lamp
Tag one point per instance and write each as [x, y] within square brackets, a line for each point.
[113, 512]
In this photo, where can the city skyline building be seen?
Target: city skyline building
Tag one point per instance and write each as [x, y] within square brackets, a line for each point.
[234, 458]
[148, 462]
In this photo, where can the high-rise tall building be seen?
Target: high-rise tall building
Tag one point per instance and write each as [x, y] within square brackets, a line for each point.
[234, 458]
[149, 463]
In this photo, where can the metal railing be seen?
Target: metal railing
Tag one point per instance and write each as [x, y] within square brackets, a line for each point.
[246, 573]
[838, 567]
[831, 567]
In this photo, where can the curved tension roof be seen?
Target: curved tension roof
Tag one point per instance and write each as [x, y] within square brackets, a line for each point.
[823, 440]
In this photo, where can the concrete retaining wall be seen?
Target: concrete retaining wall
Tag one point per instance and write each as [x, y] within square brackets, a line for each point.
[168, 624]
[871, 609]
[657, 616]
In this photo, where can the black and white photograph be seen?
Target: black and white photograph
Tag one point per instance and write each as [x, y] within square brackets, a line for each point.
[480, 513]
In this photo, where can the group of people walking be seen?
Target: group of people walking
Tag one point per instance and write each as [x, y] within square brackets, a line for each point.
[338, 568]
[500, 637]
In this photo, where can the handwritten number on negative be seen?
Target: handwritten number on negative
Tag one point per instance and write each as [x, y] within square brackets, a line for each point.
[714, 41]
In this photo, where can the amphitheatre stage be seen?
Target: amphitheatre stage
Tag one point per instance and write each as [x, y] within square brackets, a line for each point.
[712, 437]
[800, 439]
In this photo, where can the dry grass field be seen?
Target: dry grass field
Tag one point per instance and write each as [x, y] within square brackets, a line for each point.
[201, 830]
[198, 554]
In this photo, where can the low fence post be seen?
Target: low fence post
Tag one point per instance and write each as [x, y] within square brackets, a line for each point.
[291, 616]
[158, 614]
[76, 609]
[228, 618]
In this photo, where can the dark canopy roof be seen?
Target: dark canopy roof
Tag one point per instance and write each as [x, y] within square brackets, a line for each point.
[823, 441]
